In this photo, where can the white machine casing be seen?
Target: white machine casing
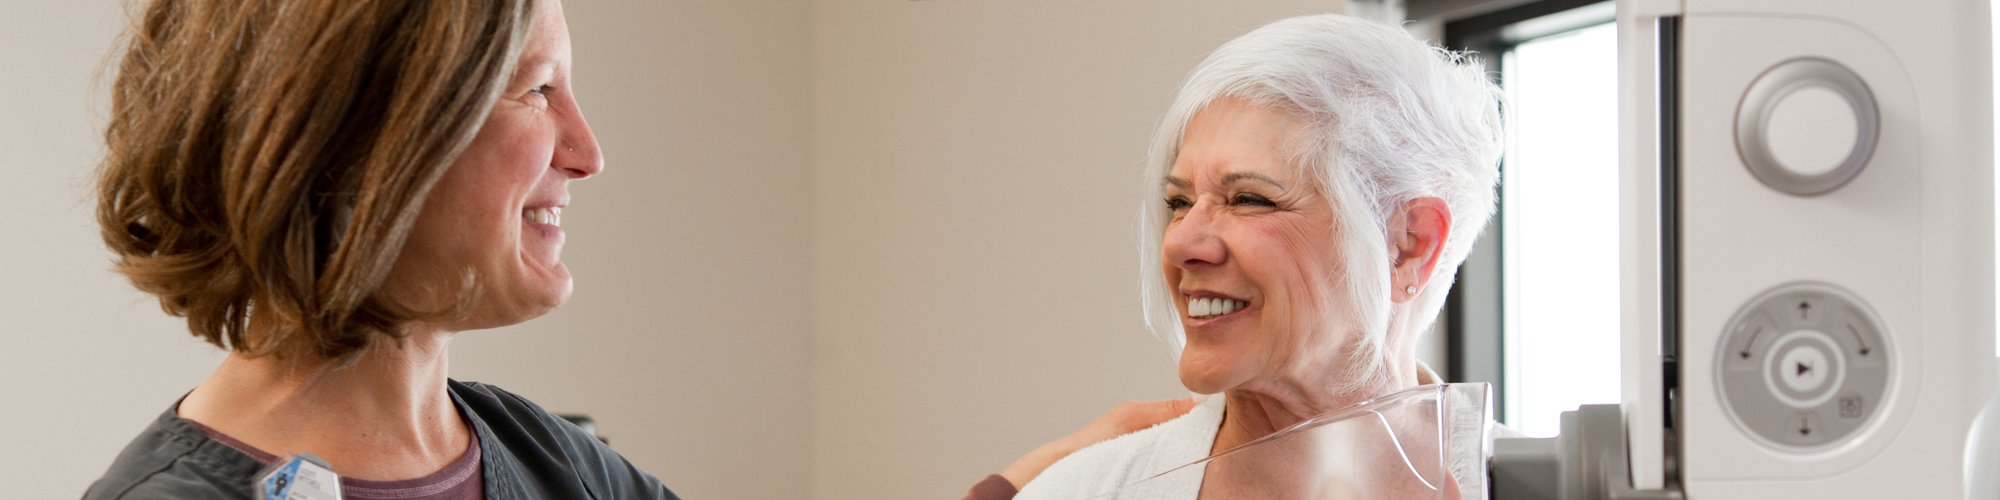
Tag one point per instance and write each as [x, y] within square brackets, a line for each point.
[1910, 236]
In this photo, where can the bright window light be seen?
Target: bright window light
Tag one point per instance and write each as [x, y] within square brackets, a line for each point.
[1559, 192]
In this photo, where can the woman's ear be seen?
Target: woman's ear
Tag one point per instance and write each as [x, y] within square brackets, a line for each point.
[1416, 237]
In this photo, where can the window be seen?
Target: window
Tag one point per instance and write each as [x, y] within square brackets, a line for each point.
[1546, 281]
[1559, 237]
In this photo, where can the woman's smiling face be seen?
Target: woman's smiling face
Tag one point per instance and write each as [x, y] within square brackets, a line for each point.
[1250, 254]
[496, 211]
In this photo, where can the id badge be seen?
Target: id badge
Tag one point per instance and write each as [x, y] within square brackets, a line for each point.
[301, 477]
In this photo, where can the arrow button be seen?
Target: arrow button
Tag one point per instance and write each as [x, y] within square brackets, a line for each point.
[1803, 370]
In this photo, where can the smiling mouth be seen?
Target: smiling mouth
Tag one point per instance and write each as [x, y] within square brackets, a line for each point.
[551, 216]
[1206, 307]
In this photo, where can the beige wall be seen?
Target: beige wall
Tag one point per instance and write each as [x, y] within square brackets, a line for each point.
[976, 180]
[85, 361]
[687, 336]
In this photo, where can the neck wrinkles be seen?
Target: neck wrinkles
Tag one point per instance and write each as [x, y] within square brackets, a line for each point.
[1253, 413]
[400, 389]
[383, 417]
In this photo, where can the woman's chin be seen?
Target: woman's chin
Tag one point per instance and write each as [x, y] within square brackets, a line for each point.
[546, 298]
[1204, 375]
[543, 286]
[516, 305]
[558, 285]
[1200, 386]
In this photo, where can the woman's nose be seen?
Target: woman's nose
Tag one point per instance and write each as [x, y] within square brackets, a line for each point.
[577, 154]
[1192, 241]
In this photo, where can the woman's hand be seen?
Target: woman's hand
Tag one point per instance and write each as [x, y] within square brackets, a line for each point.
[1125, 419]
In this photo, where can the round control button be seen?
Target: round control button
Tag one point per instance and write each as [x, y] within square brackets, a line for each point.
[1807, 126]
[1803, 368]
[1811, 130]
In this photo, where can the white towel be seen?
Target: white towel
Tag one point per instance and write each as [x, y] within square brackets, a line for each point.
[1100, 469]
[1132, 466]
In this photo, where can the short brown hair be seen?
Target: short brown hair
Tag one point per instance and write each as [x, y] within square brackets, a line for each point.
[268, 158]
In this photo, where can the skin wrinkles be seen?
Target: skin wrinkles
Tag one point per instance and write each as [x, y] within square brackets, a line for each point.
[1277, 360]
[534, 142]
[1273, 357]
[1334, 277]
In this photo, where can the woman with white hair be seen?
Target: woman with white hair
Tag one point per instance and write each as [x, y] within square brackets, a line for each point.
[1309, 197]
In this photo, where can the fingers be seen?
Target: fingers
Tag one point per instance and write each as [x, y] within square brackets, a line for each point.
[1133, 416]
[1175, 407]
[1126, 418]
[1150, 413]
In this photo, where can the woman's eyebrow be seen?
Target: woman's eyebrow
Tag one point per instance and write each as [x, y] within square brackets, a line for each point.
[1230, 178]
[1233, 177]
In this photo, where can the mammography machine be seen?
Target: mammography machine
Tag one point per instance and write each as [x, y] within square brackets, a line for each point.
[1807, 217]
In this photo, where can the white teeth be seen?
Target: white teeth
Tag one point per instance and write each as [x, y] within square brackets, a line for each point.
[1205, 307]
[550, 216]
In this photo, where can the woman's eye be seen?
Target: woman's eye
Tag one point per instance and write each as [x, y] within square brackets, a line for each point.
[1251, 199]
[1178, 203]
[541, 90]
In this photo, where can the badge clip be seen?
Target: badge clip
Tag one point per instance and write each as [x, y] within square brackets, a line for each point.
[301, 477]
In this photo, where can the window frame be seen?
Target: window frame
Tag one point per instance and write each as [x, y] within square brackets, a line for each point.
[1474, 312]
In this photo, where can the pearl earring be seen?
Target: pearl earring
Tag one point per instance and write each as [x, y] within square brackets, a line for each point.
[1410, 290]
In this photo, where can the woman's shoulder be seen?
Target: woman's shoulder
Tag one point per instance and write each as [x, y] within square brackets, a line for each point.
[543, 454]
[511, 420]
[172, 459]
[1127, 459]
[490, 395]
[492, 405]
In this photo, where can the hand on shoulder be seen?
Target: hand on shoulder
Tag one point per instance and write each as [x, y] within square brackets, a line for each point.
[1126, 418]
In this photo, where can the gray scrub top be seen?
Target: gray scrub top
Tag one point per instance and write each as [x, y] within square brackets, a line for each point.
[525, 453]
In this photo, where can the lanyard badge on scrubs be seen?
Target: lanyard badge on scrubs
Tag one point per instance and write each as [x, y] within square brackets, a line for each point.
[301, 477]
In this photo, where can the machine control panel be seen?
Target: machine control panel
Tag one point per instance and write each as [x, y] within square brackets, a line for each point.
[1803, 366]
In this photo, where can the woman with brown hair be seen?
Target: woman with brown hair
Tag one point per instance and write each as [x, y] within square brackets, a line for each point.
[330, 190]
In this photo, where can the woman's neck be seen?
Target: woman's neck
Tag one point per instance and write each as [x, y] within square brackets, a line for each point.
[1255, 412]
[385, 417]
[1380, 471]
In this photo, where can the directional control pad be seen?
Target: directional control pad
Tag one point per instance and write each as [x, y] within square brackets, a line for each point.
[1803, 366]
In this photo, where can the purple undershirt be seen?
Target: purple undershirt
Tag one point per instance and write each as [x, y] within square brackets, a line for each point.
[462, 479]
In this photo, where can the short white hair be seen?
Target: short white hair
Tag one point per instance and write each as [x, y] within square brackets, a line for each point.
[1389, 119]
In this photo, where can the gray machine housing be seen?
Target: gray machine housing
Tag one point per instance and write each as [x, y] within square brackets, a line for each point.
[1585, 461]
